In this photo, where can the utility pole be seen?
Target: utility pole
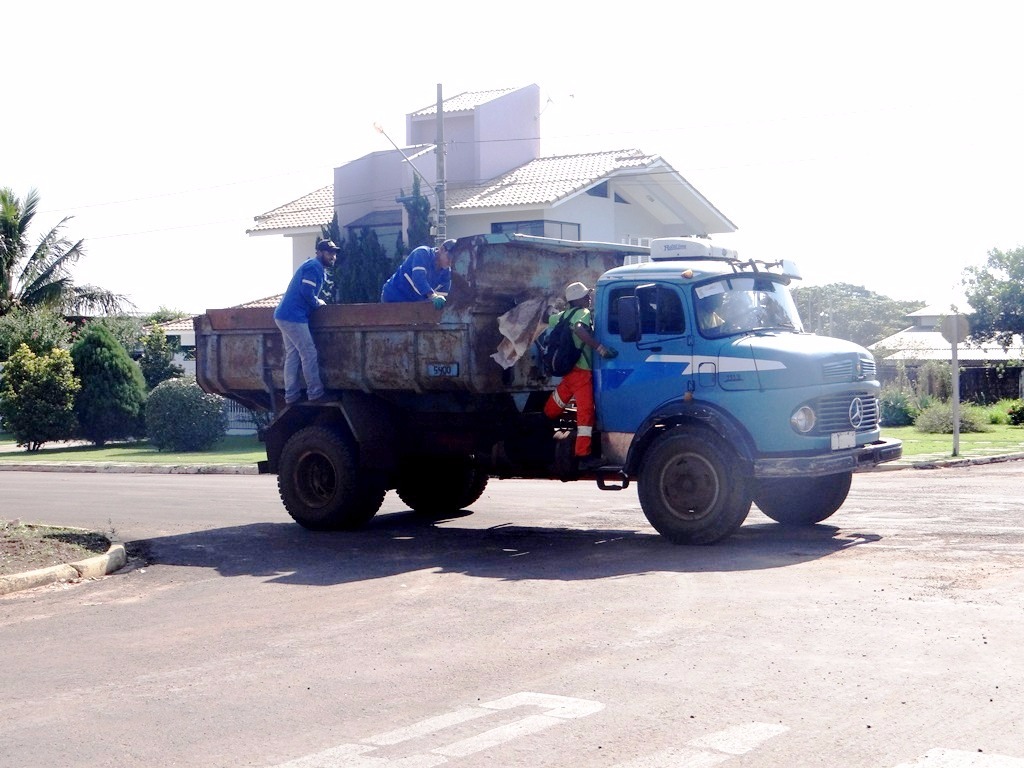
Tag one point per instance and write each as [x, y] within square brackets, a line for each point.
[439, 188]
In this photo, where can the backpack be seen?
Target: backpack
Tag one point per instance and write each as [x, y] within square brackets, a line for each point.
[559, 352]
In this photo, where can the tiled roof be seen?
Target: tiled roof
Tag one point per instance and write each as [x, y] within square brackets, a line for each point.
[547, 179]
[464, 102]
[312, 210]
[177, 326]
[928, 344]
[269, 301]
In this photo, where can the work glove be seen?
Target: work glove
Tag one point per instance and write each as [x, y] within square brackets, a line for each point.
[608, 353]
[439, 301]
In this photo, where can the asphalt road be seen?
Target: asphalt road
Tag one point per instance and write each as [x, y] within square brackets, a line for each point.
[552, 627]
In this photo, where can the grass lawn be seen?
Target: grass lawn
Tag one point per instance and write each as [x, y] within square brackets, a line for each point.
[1001, 439]
[232, 449]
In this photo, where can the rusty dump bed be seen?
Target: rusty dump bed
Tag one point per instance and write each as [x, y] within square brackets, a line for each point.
[412, 347]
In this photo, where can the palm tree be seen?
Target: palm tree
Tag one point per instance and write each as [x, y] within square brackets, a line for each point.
[41, 276]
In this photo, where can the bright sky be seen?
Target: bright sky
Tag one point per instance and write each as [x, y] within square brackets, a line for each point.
[877, 143]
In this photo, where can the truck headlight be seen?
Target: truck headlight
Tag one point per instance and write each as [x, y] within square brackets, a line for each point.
[803, 419]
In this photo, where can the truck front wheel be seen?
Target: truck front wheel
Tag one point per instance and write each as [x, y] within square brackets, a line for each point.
[432, 486]
[802, 500]
[690, 488]
[320, 485]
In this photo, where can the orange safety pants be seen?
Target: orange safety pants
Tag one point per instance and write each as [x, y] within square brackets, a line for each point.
[576, 385]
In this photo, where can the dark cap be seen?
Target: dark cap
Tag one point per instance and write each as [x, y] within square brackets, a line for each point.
[326, 245]
[449, 245]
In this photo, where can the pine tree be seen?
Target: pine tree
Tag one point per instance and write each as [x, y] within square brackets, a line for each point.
[157, 361]
[361, 268]
[417, 207]
[111, 404]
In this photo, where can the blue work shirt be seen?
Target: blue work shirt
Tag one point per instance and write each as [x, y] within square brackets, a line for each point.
[417, 278]
[301, 297]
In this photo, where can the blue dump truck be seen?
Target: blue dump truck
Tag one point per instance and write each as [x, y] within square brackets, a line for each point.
[718, 399]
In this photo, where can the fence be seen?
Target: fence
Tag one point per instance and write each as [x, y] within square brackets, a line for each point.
[241, 420]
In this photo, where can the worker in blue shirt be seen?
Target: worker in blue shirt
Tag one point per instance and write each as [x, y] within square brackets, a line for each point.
[425, 275]
[292, 318]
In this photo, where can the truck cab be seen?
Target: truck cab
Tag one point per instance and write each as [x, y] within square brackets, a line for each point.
[712, 352]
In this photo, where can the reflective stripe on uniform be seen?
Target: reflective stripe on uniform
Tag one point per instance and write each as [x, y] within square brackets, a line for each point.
[408, 277]
[557, 399]
[305, 281]
[583, 431]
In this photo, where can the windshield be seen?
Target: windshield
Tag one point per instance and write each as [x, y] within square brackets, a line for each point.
[744, 304]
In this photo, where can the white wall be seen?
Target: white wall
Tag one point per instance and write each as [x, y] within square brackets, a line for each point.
[500, 126]
[372, 183]
[303, 246]
[486, 142]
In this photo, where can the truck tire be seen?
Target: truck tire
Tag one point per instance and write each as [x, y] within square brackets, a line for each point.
[319, 484]
[690, 488]
[433, 487]
[802, 500]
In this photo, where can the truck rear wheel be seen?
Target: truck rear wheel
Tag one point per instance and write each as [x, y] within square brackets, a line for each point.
[320, 485]
[690, 488]
[802, 500]
[437, 486]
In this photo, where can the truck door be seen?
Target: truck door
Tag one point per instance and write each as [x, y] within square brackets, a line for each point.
[654, 365]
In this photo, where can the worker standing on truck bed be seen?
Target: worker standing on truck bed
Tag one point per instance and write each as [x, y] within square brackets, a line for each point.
[425, 275]
[578, 384]
[292, 318]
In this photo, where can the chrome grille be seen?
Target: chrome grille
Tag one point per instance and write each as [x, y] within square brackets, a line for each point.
[845, 370]
[834, 413]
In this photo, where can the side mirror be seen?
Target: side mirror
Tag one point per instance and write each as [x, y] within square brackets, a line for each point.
[629, 318]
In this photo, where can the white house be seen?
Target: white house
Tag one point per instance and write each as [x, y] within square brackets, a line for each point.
[985, 366]
[497, 181]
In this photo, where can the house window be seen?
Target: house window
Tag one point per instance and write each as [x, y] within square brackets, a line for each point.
[599, 190]
[562, 230]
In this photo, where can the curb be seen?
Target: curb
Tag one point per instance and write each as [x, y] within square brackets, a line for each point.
[129, 468]
[947, 463]
[89, 568]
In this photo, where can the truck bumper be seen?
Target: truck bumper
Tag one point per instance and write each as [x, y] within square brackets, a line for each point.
[853, 460]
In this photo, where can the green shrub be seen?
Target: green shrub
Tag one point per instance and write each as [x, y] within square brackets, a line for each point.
[39, 329]
[898, 409]
[938, 419]
[111, 404]
[182, 417]
[1015, 413]
[37, 396]
[998, 412]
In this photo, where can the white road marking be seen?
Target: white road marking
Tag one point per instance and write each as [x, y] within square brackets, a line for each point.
[739, 739]
[354, 756]
[559, 709]
[677, 757]
[560, 706]
[728, 743]
[500, 735]
[950, 758]
[428, 726]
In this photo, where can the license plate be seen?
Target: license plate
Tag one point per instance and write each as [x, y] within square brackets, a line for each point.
[443, 369]
[842, 440]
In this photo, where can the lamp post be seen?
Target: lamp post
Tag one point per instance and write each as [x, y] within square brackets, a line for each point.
[954, 330]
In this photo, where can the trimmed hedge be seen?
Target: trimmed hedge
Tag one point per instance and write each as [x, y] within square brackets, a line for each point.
[180, 416]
